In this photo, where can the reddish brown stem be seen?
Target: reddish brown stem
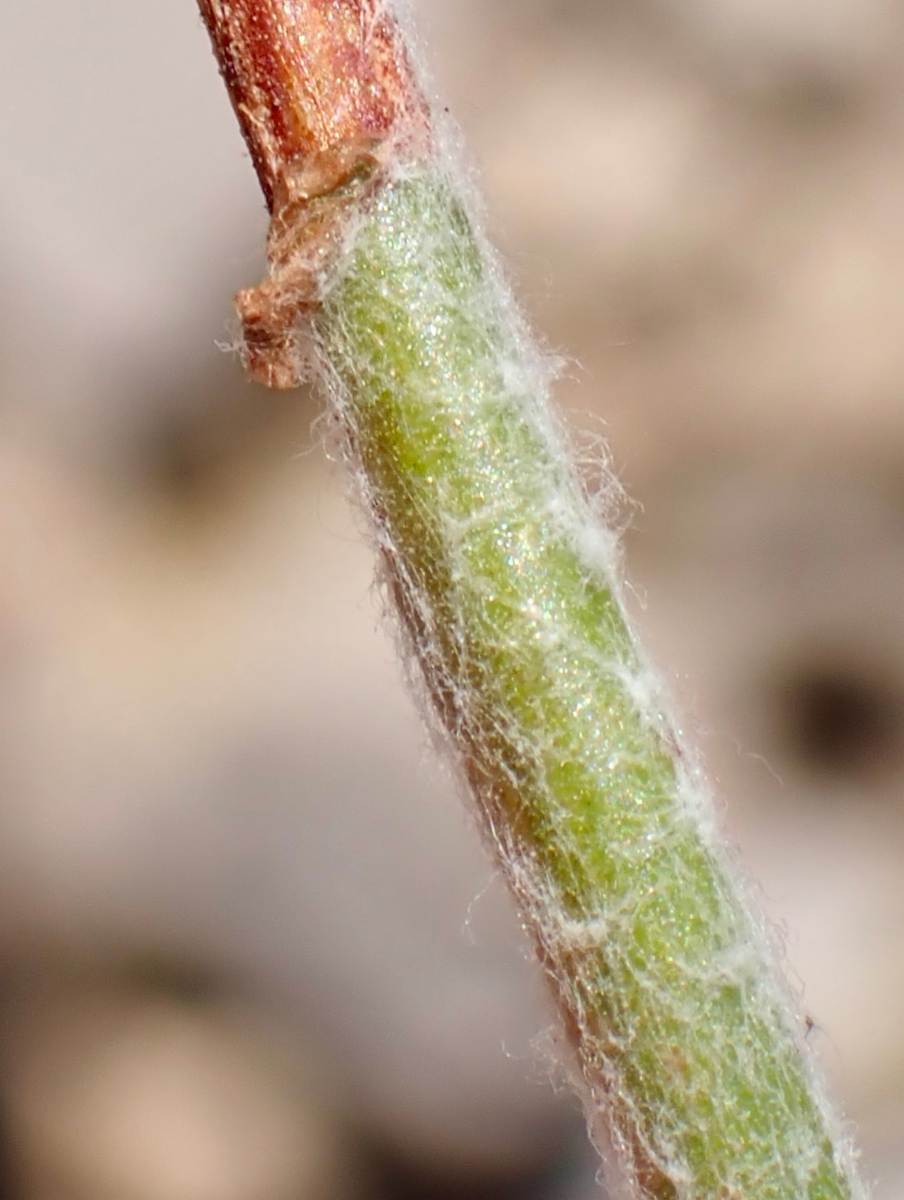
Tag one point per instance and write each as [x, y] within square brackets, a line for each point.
[326, 97]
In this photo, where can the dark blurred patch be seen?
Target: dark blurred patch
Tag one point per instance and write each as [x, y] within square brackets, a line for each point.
[9, 1189]
[156, 974]
[568, 1171]
[843, 720]
[802, 108]
[195, 450]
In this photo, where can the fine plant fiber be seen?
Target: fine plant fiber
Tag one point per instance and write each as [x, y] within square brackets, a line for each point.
[687, 1047]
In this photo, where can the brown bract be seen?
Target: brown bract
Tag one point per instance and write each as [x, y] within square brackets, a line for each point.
[327, 99]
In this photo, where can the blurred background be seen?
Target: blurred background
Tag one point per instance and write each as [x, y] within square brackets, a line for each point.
[250, 948]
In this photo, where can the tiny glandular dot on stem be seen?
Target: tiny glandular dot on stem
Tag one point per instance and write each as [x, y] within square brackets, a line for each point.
[689, 1052]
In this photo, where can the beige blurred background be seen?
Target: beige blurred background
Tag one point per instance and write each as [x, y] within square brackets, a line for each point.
[250, 948]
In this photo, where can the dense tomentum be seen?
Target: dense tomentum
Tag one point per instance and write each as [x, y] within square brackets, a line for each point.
[507, 588]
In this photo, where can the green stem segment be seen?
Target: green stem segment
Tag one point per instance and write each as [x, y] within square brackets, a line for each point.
[506, 588]
[506, 591]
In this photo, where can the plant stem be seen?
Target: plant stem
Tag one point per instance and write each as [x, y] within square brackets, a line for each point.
[506, 589]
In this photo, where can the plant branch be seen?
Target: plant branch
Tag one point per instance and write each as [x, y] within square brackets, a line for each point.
[507, 591]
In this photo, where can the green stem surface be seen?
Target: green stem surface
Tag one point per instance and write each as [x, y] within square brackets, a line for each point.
[505, 584]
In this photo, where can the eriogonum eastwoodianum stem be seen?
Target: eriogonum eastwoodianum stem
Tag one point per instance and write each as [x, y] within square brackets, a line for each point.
[506, 589]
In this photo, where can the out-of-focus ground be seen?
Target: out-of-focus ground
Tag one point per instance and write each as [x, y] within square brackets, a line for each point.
[249, 946]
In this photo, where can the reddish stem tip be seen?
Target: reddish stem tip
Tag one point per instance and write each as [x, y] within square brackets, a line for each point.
[312, 81]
